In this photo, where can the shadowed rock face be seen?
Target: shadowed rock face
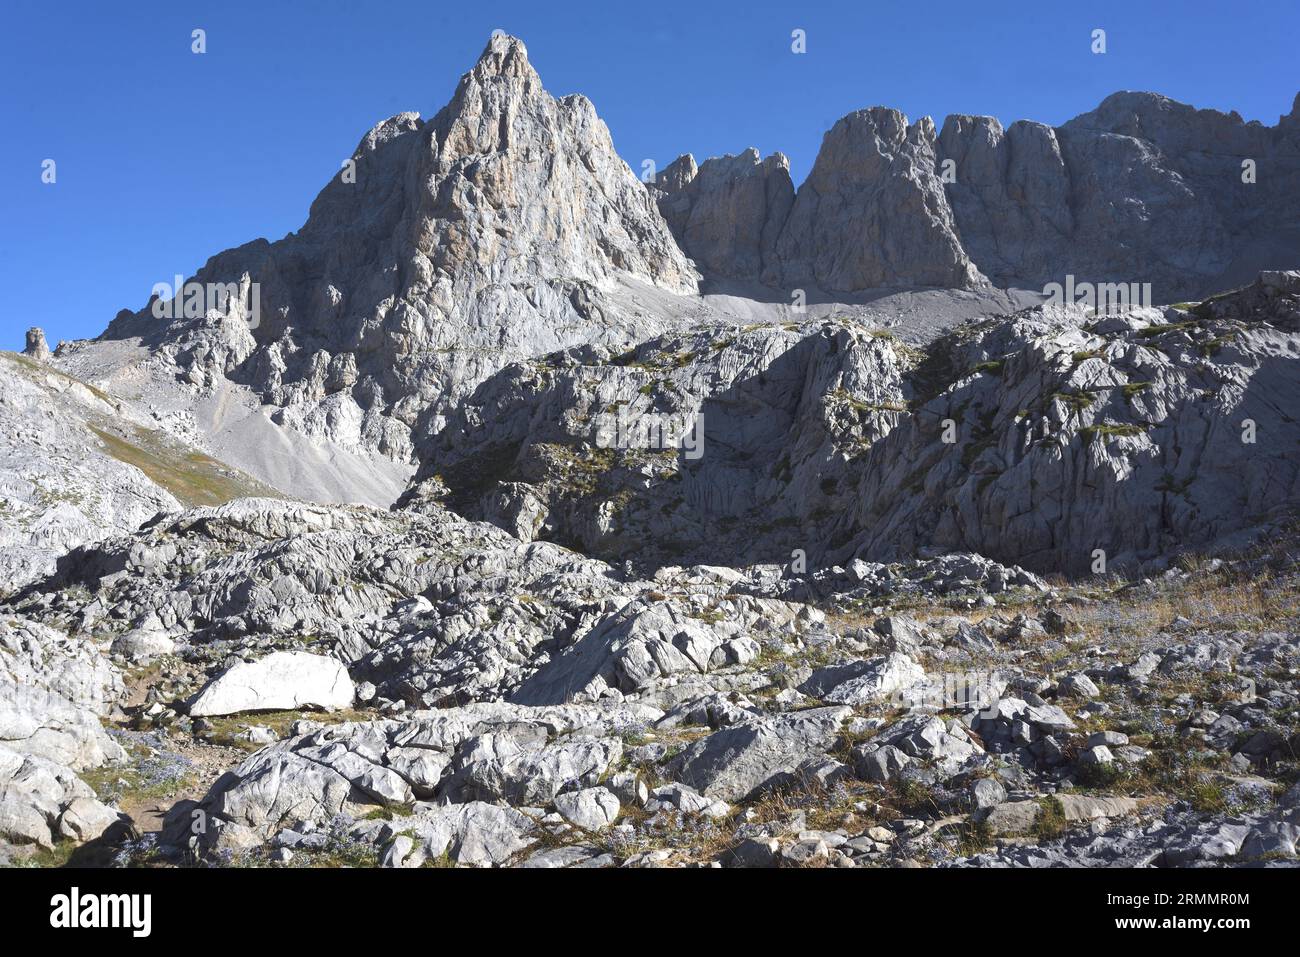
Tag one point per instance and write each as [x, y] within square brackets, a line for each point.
[1137, 435]
[1068, 434]
[776, 418]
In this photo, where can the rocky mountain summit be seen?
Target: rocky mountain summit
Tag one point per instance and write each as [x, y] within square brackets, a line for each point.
[513, 513]
[1140, 190]
[506, 228]
[443, 248]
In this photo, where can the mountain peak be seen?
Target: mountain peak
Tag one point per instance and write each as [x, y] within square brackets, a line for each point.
[504, 56]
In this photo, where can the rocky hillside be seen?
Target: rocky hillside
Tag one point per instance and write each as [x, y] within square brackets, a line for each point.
[78, 465]
[1037, 439]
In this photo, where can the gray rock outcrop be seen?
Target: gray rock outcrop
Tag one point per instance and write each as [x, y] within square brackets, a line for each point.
[1142, 189]
[1129, 437]
[53, 692]
[727, 213]
[591, 448]
[37, 349]
[873, 213]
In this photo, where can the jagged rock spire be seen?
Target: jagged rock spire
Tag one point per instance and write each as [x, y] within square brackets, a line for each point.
[37, 347]
[443, 250]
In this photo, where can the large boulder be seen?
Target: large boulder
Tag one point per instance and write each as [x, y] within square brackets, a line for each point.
[282, 681]
[734, 763]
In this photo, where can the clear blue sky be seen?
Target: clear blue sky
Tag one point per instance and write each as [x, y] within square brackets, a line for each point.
[166, 157]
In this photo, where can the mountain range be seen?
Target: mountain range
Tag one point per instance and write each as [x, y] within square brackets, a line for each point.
[515, 510]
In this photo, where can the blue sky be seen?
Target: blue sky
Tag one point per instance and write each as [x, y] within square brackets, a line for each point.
[165, 157]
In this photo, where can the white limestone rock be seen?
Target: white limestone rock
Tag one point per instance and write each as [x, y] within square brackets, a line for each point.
[282, 681]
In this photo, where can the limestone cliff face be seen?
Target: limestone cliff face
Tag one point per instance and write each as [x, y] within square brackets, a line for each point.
[1142, 189]
[873, 213]
[442, 250]
[728, 213]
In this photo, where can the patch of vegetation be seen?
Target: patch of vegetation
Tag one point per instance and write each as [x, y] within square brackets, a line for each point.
[151, 774]
[1172, 769]
[709, 616]
[1107, 430]
[1150, 332]
[342, 854]
[60, 855]
[192, 477]
[913, 798]
[389, 812]
[1077, 401]
[973, 837]
[1211, 347]
[1051, 822]
[860, 406]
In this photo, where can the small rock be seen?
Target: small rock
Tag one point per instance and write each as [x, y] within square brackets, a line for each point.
[1014, 817]
[752, 852]
[1078, 686]
[1096, 756]
[805, 852]
[986, 793]
[592, 809]
[1110, 738]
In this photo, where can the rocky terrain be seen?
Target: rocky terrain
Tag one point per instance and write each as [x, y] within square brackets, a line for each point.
[78, 465]
[533, 521]
[1036, 438]
[419, 689]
